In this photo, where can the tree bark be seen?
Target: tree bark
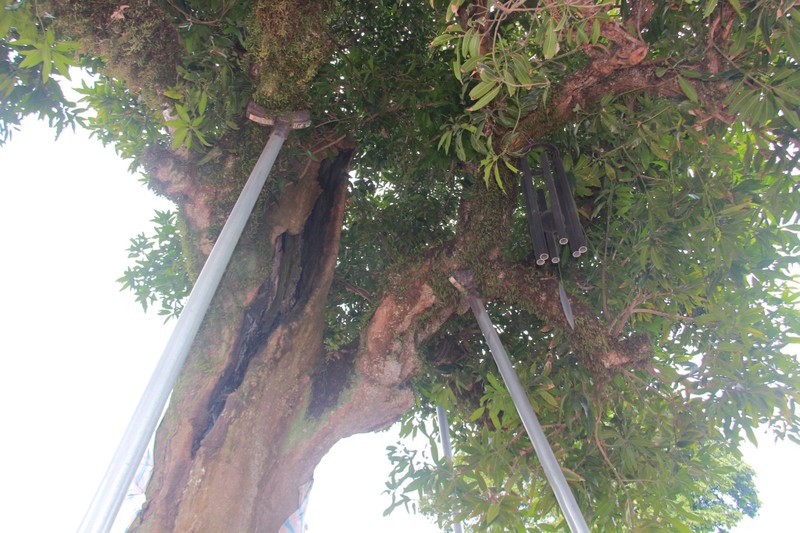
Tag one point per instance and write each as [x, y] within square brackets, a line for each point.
[234, 446]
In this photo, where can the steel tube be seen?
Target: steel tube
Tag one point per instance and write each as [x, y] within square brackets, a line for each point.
[547, 222]
[577, 241]
[108, 499]
[566, 500]
[534, 215]
[444, 432]
[555, 204]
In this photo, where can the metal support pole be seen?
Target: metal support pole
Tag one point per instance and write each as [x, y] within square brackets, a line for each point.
[566, 500]
[444, 431]
[108, 499]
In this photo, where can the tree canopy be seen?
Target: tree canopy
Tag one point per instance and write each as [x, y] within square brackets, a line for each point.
[678, 126]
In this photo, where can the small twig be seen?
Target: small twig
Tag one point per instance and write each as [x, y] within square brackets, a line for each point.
[328, 145]
[647, 385]
[355, 290]
[660, 313]
[602, 449]
[609, 205]
[216, 22]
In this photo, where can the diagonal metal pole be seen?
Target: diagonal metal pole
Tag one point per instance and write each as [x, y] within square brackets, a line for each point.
[566, 500]
[444, 431]
[108, 499]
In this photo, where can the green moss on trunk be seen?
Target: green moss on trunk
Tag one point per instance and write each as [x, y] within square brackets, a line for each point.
[287, 44]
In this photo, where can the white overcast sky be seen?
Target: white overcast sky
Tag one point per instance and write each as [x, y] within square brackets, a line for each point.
[76, 352]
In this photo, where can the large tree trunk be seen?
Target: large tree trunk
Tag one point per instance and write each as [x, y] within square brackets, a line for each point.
[260, 402]
[245, 427]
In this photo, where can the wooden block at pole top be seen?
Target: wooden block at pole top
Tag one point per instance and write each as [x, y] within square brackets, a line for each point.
[297, 120]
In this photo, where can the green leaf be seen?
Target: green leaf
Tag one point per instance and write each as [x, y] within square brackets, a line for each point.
[521, 69]
[492, 512]
[443, 38]
[175, 124]
[460, 153]
[457, 69]
[203, 103]
[750, 435]
[487, 172]
[447, 136]
[5, 22]
[178, 137]
[550, 45]
[711, 5]
[183, 114]
[788, 95]
[471, 64]
[688, 89]
[547, 397]
[486, 99]
[680, 527]
[201, 138]
[32, 58]
[47, 66]
[476, 414]
[481, 89]
[791, 39]
[474, 43]
[61, 64]
[497, 178]
[465, 43]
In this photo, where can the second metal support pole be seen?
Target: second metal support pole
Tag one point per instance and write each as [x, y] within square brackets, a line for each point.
[566, 500]
[444, 432]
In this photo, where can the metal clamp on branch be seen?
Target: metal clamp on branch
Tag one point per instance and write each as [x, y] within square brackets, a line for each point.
[296, 121]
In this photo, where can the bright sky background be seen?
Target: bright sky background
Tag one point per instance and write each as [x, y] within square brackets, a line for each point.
[77, 353]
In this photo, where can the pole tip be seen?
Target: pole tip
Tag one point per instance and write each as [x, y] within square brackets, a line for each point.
[463, 280]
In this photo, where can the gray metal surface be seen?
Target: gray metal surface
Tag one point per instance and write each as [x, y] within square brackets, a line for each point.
[108, 499]
[444, 432]
[566, 500]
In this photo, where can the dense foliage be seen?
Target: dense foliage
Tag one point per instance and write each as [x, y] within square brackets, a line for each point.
[158, 273]
[678, 125]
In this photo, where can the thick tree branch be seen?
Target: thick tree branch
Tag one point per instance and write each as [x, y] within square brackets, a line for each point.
[621, 68]
[590, 339]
